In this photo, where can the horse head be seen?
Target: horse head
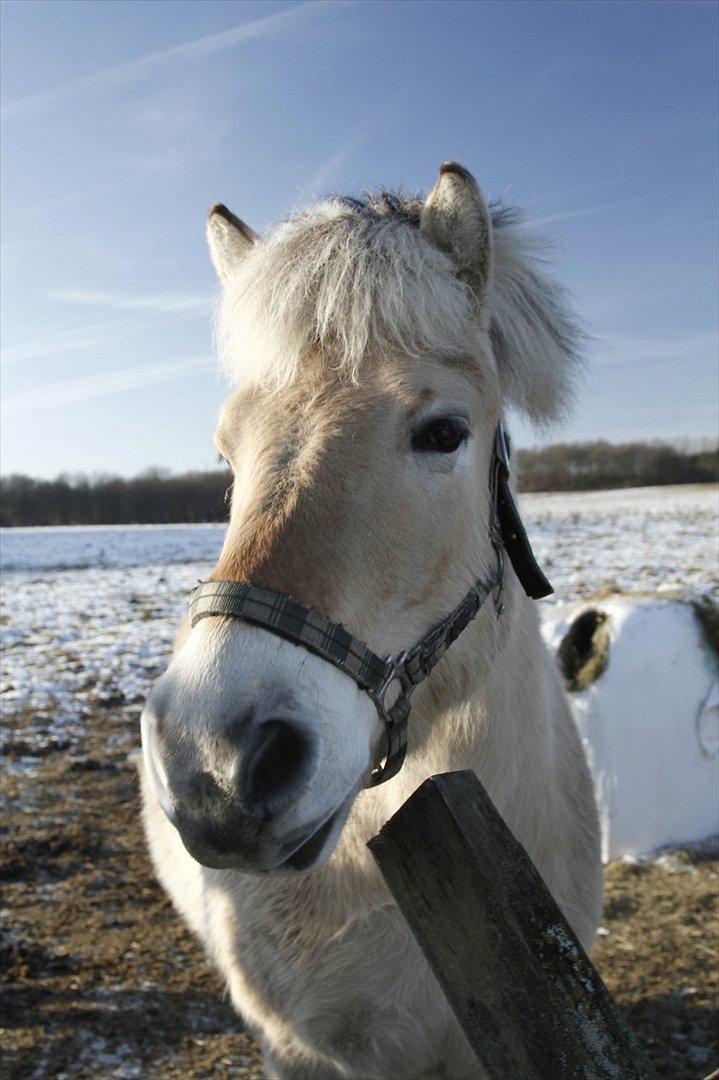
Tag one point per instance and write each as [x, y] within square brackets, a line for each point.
[376, 344]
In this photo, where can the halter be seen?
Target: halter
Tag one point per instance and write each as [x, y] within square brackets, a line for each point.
[329, 640]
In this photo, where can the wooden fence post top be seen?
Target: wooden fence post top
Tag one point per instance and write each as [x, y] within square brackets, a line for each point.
[530, 1001]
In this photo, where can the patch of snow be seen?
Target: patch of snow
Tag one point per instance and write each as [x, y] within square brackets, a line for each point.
[660, 539]
[77, 547]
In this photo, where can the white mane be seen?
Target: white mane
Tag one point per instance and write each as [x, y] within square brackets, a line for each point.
[350, 277]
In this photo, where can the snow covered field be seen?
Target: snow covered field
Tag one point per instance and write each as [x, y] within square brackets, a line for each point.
[103, 979]
[89, 614]
[652, 539]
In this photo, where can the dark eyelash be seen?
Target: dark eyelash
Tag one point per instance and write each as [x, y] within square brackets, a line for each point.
[222, 460]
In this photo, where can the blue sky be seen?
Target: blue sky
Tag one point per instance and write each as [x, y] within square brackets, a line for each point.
[122, 122]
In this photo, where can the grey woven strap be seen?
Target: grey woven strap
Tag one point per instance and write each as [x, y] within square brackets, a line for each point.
[410, 668]
[420, 660]
[294, 621]
[332, 642]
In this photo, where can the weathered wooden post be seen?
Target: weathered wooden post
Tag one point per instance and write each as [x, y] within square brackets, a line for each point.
[530, 1001]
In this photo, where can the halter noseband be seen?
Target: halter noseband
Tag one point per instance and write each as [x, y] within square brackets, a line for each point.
[298, 623]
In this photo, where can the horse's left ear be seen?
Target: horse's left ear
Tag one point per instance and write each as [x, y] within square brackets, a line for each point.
[229, 239]
[456, 220]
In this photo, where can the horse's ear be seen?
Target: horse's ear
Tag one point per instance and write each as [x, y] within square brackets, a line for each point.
[229, 239]
[456, 220]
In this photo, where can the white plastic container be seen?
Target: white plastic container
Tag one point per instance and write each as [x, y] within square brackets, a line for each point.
[649, 723]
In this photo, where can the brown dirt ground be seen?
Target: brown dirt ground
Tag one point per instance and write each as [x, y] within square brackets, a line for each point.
[101, 979]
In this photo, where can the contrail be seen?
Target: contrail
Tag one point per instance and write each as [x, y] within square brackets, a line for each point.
[104, 385]
[188, 50]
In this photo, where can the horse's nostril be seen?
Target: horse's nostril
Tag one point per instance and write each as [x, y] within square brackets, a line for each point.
[279, 764]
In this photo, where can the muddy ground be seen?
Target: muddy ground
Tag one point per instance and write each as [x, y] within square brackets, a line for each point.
[102, 980]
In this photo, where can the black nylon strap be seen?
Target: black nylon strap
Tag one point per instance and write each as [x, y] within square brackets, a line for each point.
[514, 535]
[516, 542]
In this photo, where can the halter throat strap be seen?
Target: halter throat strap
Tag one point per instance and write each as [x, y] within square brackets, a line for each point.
[392, 677]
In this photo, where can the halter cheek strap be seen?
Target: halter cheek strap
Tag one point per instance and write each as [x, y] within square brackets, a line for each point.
[513, 534]
[302, 625]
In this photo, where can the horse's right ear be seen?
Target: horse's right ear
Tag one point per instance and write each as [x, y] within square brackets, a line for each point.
[456, 220]
[229, 239]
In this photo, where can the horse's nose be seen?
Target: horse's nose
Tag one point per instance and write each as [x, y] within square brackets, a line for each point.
[279, 761]
[224, 788]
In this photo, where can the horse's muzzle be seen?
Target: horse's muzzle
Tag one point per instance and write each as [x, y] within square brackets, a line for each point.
[230, 792]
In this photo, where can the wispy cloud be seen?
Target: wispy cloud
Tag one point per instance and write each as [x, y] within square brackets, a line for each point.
[37, 350]
[72, 391]
[317, 184]
[157, 303]
[166, 131]
[574, 191]
[709, 224]
[132, 70]
[587, 211]
[684, 350]
[63, 340]
[140, 312]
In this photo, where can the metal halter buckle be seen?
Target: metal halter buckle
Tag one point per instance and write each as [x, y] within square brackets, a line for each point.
[398, 674]
[394, 718]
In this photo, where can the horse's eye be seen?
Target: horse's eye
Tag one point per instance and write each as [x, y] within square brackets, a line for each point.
[441, 436]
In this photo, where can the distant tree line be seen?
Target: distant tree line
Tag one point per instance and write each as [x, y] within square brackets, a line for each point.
[599, 465]
[156, 497]
[153, 498]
